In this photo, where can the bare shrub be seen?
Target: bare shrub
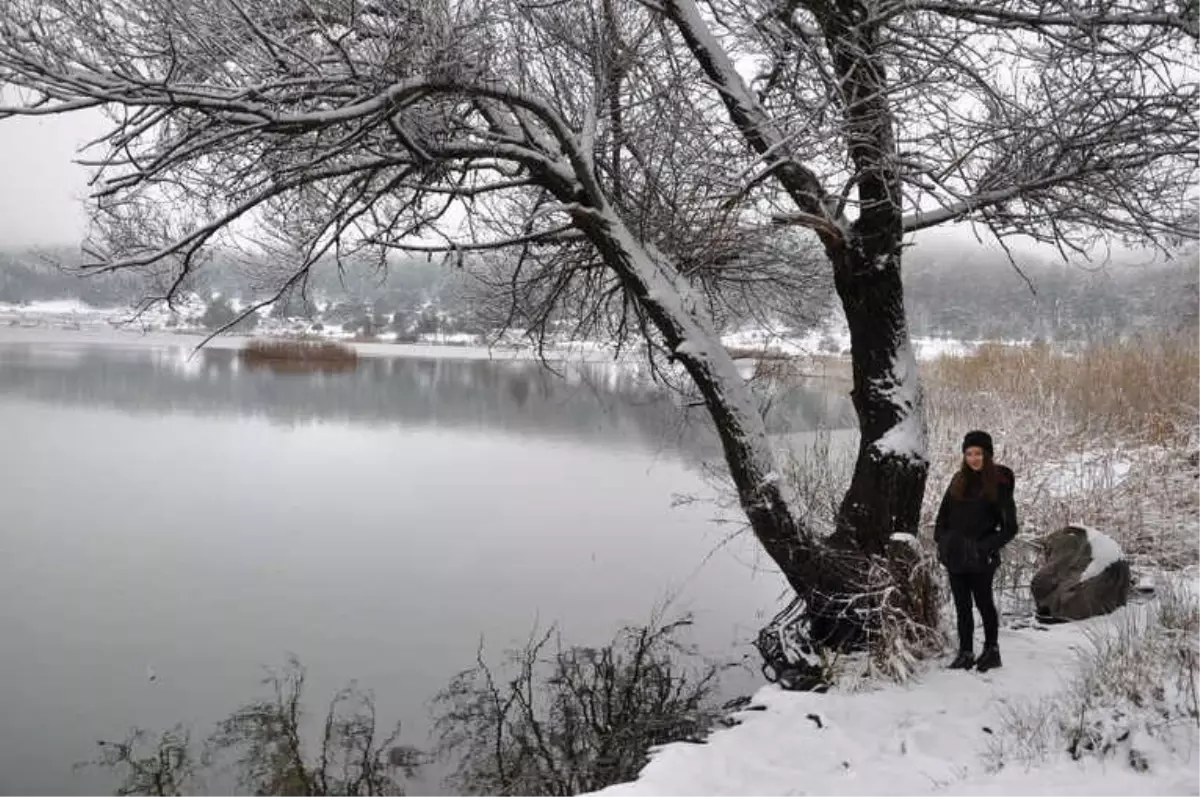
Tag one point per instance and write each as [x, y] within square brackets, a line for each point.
[165, 769]
[576, 719]
[897, 643]
[818, 473]
[265, 739]
[1027, 734]
[1176, 607]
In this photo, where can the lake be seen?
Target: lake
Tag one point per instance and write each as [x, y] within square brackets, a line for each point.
[191, 517]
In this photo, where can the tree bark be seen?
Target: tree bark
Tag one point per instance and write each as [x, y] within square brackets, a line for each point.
[888, 485]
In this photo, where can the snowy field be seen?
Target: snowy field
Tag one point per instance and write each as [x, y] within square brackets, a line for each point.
[946, 732]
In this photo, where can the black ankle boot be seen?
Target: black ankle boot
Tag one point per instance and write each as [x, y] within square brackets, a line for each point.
[963, 660]
[989, 659]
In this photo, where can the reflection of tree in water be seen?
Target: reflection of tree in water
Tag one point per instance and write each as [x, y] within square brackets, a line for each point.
[596, 401]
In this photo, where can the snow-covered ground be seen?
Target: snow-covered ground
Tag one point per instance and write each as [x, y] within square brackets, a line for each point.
[1077, 474]
[831, 338]
[946, 732]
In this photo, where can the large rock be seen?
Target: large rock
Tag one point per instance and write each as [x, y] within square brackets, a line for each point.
[1084, 574]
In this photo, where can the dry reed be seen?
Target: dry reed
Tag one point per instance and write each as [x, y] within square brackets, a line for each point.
[299, 355]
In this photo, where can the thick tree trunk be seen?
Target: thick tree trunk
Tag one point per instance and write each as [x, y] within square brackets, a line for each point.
[888, 485]
[878, 520]
[885, 493]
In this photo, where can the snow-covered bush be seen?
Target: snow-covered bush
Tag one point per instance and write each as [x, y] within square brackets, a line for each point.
[1133, 700]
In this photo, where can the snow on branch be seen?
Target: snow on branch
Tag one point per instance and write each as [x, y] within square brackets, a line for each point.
[1063, 121]
[1036, 16]
[758, 128]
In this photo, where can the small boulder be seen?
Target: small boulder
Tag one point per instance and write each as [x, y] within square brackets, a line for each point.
[1083, 574]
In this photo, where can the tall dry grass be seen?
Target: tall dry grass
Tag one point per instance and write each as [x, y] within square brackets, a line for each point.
[1143, 389]
[1105, 435]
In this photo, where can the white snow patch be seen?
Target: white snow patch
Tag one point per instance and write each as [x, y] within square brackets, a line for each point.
[902, 387]
[905, 537]
[905, 439]
[58, 307]
[686, 347]
[831, 337]
[1105, 551]
[935, 348]
[932, 735]
[1088, 470]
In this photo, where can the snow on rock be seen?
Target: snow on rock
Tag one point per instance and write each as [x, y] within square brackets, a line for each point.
[1105, 551]
[935, 734]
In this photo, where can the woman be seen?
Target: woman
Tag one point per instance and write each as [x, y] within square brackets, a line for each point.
[976, 519]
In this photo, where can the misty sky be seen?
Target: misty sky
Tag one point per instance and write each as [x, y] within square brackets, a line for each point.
[40, 187]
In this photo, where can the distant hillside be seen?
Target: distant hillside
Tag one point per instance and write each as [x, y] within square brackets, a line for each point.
[958, 292]
[976, 294]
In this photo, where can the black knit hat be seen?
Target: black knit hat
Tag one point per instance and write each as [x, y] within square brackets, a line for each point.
[977, 438]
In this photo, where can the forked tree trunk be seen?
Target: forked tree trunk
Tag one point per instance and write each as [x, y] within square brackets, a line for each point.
[878, 520]
[841, 578]
[847, 579]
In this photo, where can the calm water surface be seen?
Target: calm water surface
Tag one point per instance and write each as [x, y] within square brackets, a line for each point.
[204, 520]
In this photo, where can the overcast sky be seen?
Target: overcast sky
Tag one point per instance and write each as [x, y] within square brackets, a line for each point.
[40, 187]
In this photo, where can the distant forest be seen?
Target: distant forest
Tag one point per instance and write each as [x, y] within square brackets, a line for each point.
[410, 296]
[978, 295]
[966, 293]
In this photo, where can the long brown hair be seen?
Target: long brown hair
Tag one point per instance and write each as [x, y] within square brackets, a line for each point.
[991, 479]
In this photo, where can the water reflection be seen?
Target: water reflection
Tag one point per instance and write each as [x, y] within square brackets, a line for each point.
[602, 403]
[208, 527]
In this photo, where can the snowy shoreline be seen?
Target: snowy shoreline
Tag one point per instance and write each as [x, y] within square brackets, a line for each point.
[70, 320]
[944, 732]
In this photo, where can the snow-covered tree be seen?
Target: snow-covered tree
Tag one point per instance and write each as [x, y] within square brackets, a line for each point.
[654, 165]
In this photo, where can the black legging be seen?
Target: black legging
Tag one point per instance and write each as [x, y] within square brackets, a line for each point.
[964, 587]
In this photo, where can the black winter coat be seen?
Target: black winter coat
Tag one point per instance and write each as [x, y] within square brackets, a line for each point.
[970, 532]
